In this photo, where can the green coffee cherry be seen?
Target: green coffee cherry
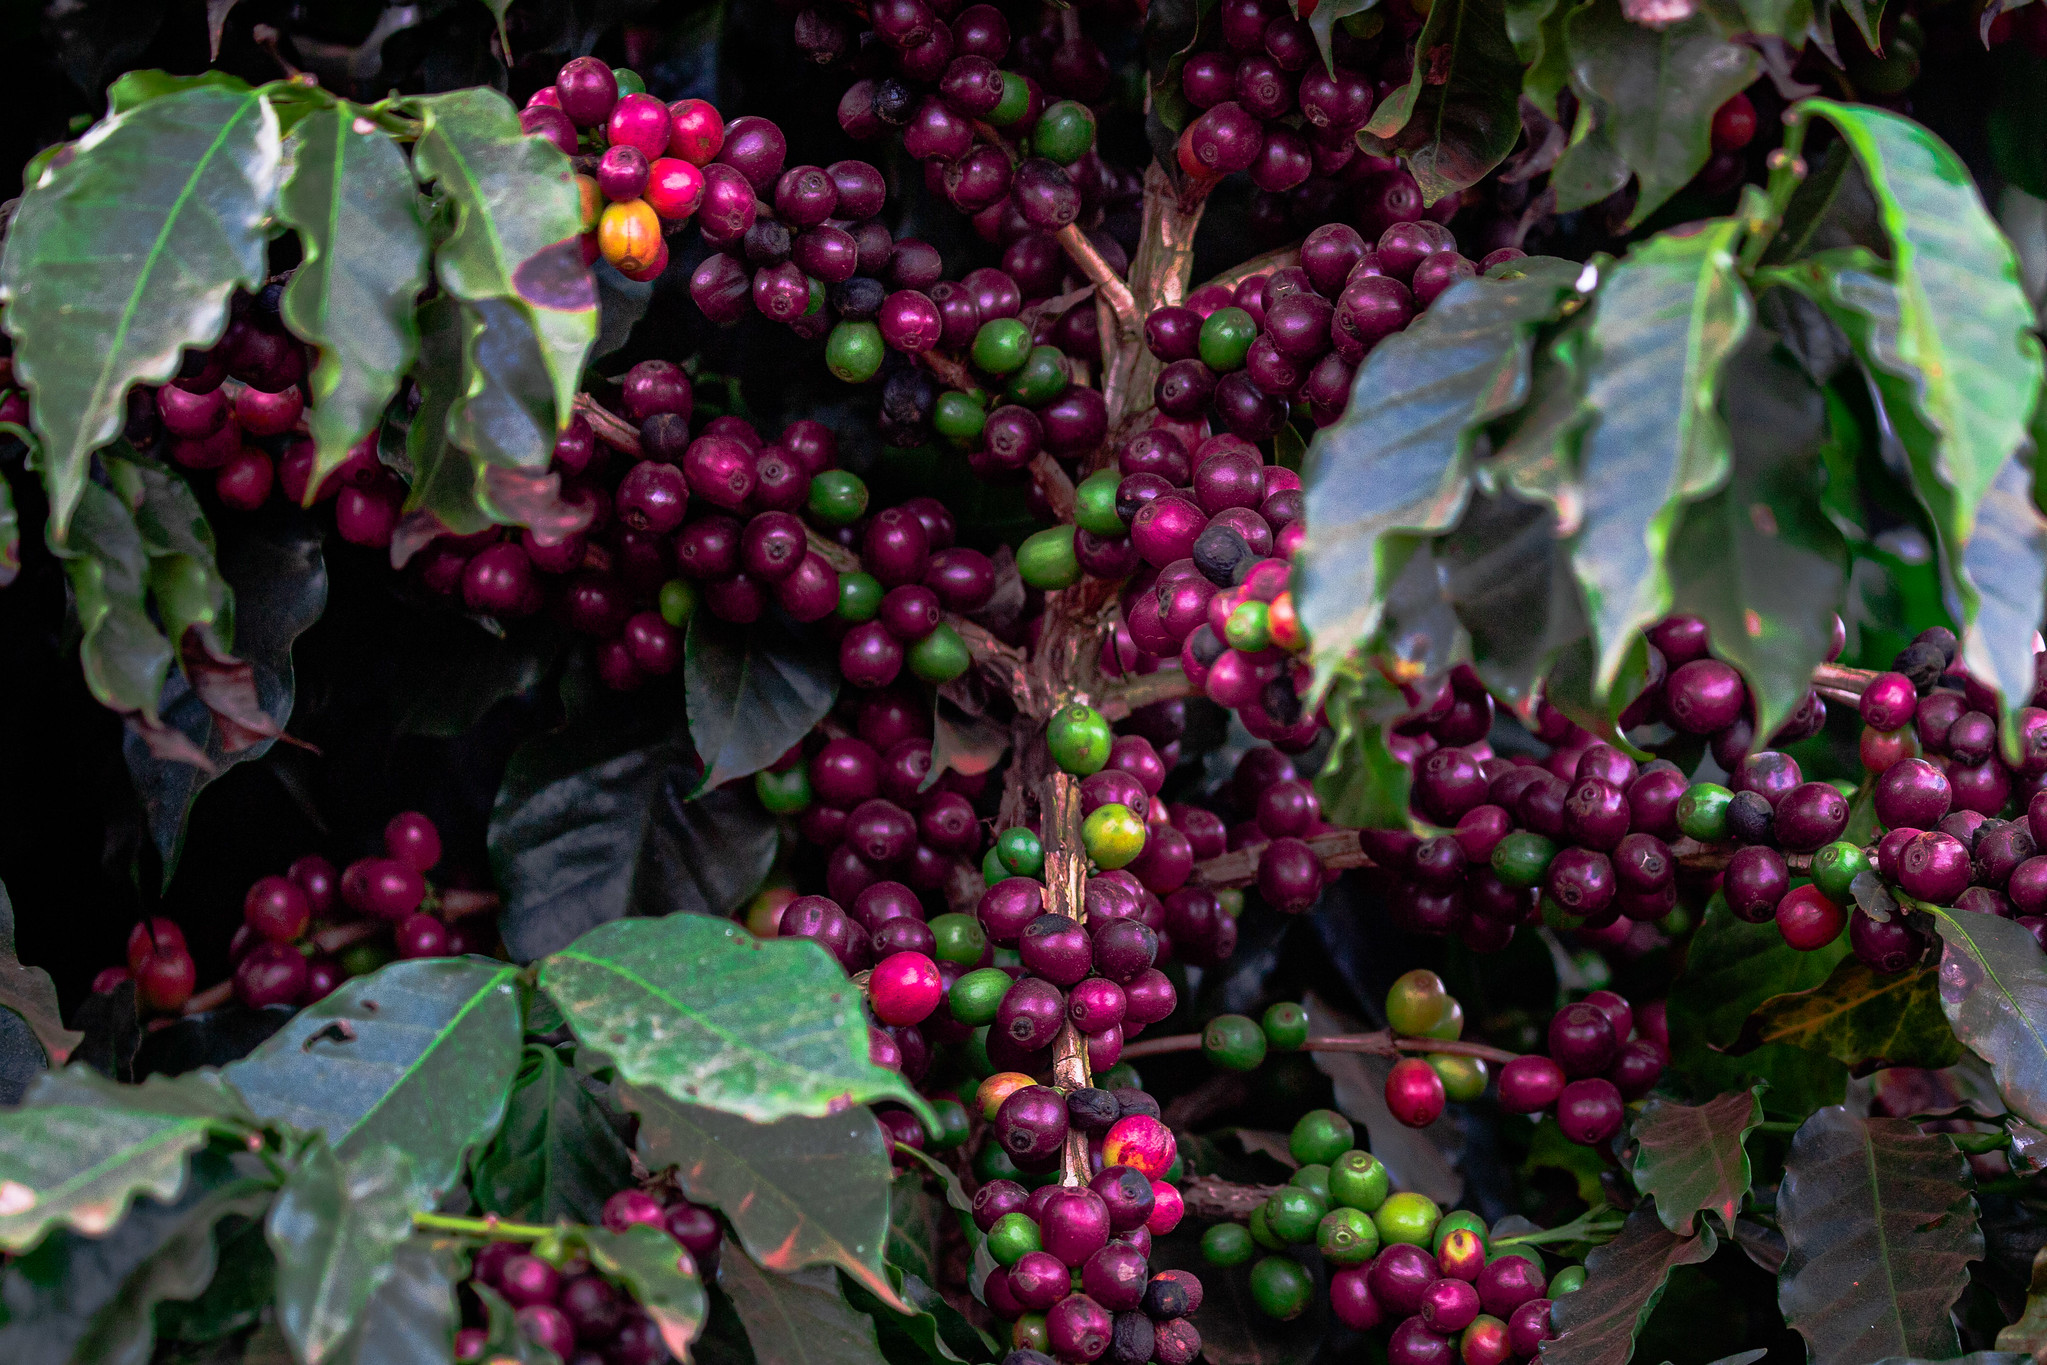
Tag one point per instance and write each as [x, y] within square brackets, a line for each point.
[1417, 1002]
[1041, 379]
[1464, 1078]
[1702, 811]
[1835, 868]
[1281, 1287]
[1094, 504]
[1234, 1043]
[1113, 836]
[1002, 345]
[1313, 1177]
[678, 601]
[940, 656]
[1286, 1026]
[960, 939]
[1226, 339]
[1407, 1217]
[958, 417]
[1521, 858]
[1227, 1244]
[1047, 561]
[1321, 1135]
[1262, 1234]
[860, 596]
[976, 996]
[837, 497]
[629, 82]
[1015, 101]
[952, 1130]
[783, 793]
[1020, 851]
[1347, 1236]
[1064, 132]
[1359, 1180]
[1247, 627]
[1569, 1280]
[854, 351]
[1293, 1213]
[1013, 1237]
[1079, 739]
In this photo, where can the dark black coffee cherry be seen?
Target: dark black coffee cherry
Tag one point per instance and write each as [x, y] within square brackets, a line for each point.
[858, 299]
[1750, 819]
[1222, 556]
[1131, 1100]
[1092, 1110]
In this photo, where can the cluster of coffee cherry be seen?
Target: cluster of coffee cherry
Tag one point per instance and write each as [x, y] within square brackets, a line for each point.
[1394, 1258]
[306, 931]
[643, 168]
[559, 1302]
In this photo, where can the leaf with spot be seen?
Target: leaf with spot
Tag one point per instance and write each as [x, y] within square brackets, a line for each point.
[1862, 1019]
[81, 1148]
[1691, 1157]
[1460, 112]
[1597, 1325]
[703, 1010]
[1993, 988]
[1880, 1228]
[514, 261]
[799, 1318]
[558, 1155]
[1665, 322]
[1657, 90]
[1758, 560]
[1396, 464]
[335, 1229]
[798, 1192]
[352, 200]
[125, 254]
[754, 691]
[421, 1054]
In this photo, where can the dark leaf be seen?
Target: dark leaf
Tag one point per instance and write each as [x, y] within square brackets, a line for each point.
[1510, 578]
[754, 691]
[82, 1148]
[1994, 991]
[236, 1295]
[2017, 118]
[1549, 1149]
[113, 1032]
[1397, 461]
[411, 1319]
[210, 1038]
[577, 843]
[1536, 28]
[1691, 1157]
[1881, 1229]
[558, 1155]
[2007, 561]
[1172, 31]
[1361, 783]
[701, 1009]
[1596, 1325]
[29, 992]
[127, 254]
[2029, 1334]
[471, 671]
[798, 1192]
[335, 1229]
[797, 1318]
[936, 1331]
[1862, 1020]
[1665, 322]
[90, 1300]
[421, 1054]
[125, 657]
[1460, 112]
[352, 199]
[655, 1273]
[621, 303]
[1657, 90]
[1758, 560]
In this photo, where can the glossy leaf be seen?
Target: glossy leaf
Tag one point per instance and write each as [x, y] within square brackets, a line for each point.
[29, 992]
[1459, 113]
[126, 254]
[89, 1300]
[1757, 559]
[1881, 1228]
[443, 496]
[701, 1009]
[650, 1265]
[797, 1318]
[81, 1148]
[798, 1192]
[1862, 1020]
[754, 691]
[411, 1319]
[558, 1155]
[1665, 322]
[580, 839]
[1952, 344]
[935, 1331]
[235, 1299]
[352, 200]
[1657, 90]
[1511, 583]
[1591, 168]
[2006, 560]
[1597, 1325]
[421, 1054]
[124, 655]
[1993, 988]
[277, 571]
[512, 258]
[1396, 464]
[336, 1228]
[1692, 1157]
[1536, 28]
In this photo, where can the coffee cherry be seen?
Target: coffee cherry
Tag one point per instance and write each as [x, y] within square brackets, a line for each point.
[1414, 1092]
[1808, 920]
[1079, 739]
[277, 909]
[1590, 1111]
[1912, 793]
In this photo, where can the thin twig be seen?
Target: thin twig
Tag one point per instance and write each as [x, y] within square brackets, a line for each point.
[1380, 1044]
[830, 551]
[1082, 253]
[1065, 875]
[1052, 481]
[1120, 699]
[610, 428]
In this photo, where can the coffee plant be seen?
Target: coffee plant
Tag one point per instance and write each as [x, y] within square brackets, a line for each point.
[916, 682]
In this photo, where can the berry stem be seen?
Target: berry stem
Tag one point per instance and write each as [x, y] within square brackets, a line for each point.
[612, 429]
[1053, 482]
[1110, 286]
[489, 1228]
[1216, 1200]
[830, 551]
[1593, 1225]
[1119, 701]
[1380, 1044]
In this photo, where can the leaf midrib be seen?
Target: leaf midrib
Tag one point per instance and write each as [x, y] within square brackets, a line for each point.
[440, 1036]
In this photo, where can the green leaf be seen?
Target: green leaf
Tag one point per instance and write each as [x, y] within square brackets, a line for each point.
[1881, 1228]
[1322, 23]
[2007, 561]
[753, 692]
[798, 1192]
[125, 255]
[1550, 1150]
[81, 1148]
[1691, 1157]
[336, 1228]
[1460, 112]
[1362, 785]
[580, 839]
[1597, 1325]
[443, 498]
[30, 993]
[351, 197]
[1952, 344]
[1862, 1020]
[132, 88]
[1732, 967]
[513, 258]
[1172, 31]
[1536, 28]
[1993, 989]
[1396, 462]
[90, 1300]
[1665, 321]
[411, 1319]
[421, 1054]
[558, 1155]
[1758, 560]
[935, 1331]
[797, 1318]
[650, 1265]
[700, 1008]
[1657, 90]
[235, 1298]
[125, 657]
[1509, 578]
